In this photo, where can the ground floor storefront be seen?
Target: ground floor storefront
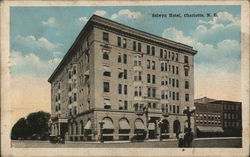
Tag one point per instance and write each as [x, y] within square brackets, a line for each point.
[116, 125]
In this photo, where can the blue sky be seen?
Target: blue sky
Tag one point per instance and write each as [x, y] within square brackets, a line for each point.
[40, 36]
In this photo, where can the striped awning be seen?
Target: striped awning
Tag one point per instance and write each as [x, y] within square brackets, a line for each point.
[151, 126]
[123, 124]
[210, 129]
[88, 125]
[139, 125]
[108, 124]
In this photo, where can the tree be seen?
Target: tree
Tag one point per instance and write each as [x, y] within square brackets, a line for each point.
[35, 126]
[20, 130]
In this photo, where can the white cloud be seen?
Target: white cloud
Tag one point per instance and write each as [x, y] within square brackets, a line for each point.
[50, 22]
[100, 12]
[31, 64]
[127, 13]
[31, 43]
[83, 19]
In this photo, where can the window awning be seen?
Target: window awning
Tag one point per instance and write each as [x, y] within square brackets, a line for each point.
[151, 126]
[88, 125]
[123, 124]
[86, 73]
[107, 102]
[210, 129]
[108, 124]
[139, 125]
[105, 68]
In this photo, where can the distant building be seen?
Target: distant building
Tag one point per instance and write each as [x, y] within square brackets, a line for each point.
[218, 117]
[128, 79]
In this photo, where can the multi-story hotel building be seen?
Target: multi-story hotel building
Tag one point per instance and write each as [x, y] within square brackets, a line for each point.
[129, 80]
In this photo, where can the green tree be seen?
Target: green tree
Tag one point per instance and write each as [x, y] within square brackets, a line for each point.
[20, 130]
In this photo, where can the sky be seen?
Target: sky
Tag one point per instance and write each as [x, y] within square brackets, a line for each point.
[41, 36]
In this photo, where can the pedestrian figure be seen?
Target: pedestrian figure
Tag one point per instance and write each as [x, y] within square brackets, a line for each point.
[188, 138]
[180, 139]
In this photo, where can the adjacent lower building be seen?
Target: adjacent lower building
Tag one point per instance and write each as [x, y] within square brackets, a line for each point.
[119, 82]
[218, 118]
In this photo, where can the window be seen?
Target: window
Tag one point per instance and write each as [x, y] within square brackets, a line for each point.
[154, 92]
[177, 96]
[134, 45]
[173, 96]
[148, 78]
[75, 98]
[105, 56]
[139, 76]
[172, 56]
[153, 65]
[124, 44]
[162, 66]
[186, 72]
[177, 70]
[70, 100]
[148, 64]
[153, 79]
[106, 86]
[136, 91]
[186, 85]
[119, 88]
[120, 74]
[173, 69]
[119, 58]
[173, 108]
[125, 58]
[105, 36]
[119, 41]
[149, 92]
[162, 94]
[74, 70]
[186, 97]
[139, 47]
[69, 74]
[148, 49]
[186, 59]
[161, 53]
[140, 90]
[107, 73]
[125, 89]
[166, 67]
[154, 105]
[125, 105]
[177, 57]
[177, 83]
[136, 107]
[153, 50]
[178, 109]
[149, 105]
[125, 75]
[107, 104]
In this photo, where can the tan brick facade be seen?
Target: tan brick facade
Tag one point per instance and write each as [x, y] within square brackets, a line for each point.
[122, 74]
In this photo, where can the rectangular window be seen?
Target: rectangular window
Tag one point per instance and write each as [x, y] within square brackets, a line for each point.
[186, 72]
[148, 78]
[149, 92]
[125, 58]
[173, 96]
[106, 86]
[153, 65]
[154, 105]
[125, 105]
[173, 69]
[125, 74]
[177, 70]
[186, 59]
[119, 41]
[173, 82]
[136, 91]
[148, 49]
[166, 67]
[154, 93]
[172, 56]
[105, 56]
[177, 83]
[140, 90]
[177, 57]
[124, 44]
[178, 109]
[119, 59]
[173, 108]
[119, 89]
[161, 53]
[139, 76]
[105, 36]
[186, 85]
[125, 89]
[75, 97]
[153, 79]
[162, 94]
[162, 66]
[153, 50]
[134, 45]
[148, 64]
[139, 47]
[177, 96]
[149, 105]
[186, 97]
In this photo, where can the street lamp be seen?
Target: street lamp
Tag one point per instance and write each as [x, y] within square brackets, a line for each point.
[189, 135]
[101, 131]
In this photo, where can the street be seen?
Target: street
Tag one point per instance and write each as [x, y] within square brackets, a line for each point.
[220, 142]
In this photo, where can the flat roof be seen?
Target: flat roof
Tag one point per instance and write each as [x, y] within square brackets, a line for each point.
[107, 22]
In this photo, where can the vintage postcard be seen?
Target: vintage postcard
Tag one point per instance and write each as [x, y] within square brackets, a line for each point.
[125, 78]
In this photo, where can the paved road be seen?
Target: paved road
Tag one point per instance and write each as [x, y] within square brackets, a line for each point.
[231, 142]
